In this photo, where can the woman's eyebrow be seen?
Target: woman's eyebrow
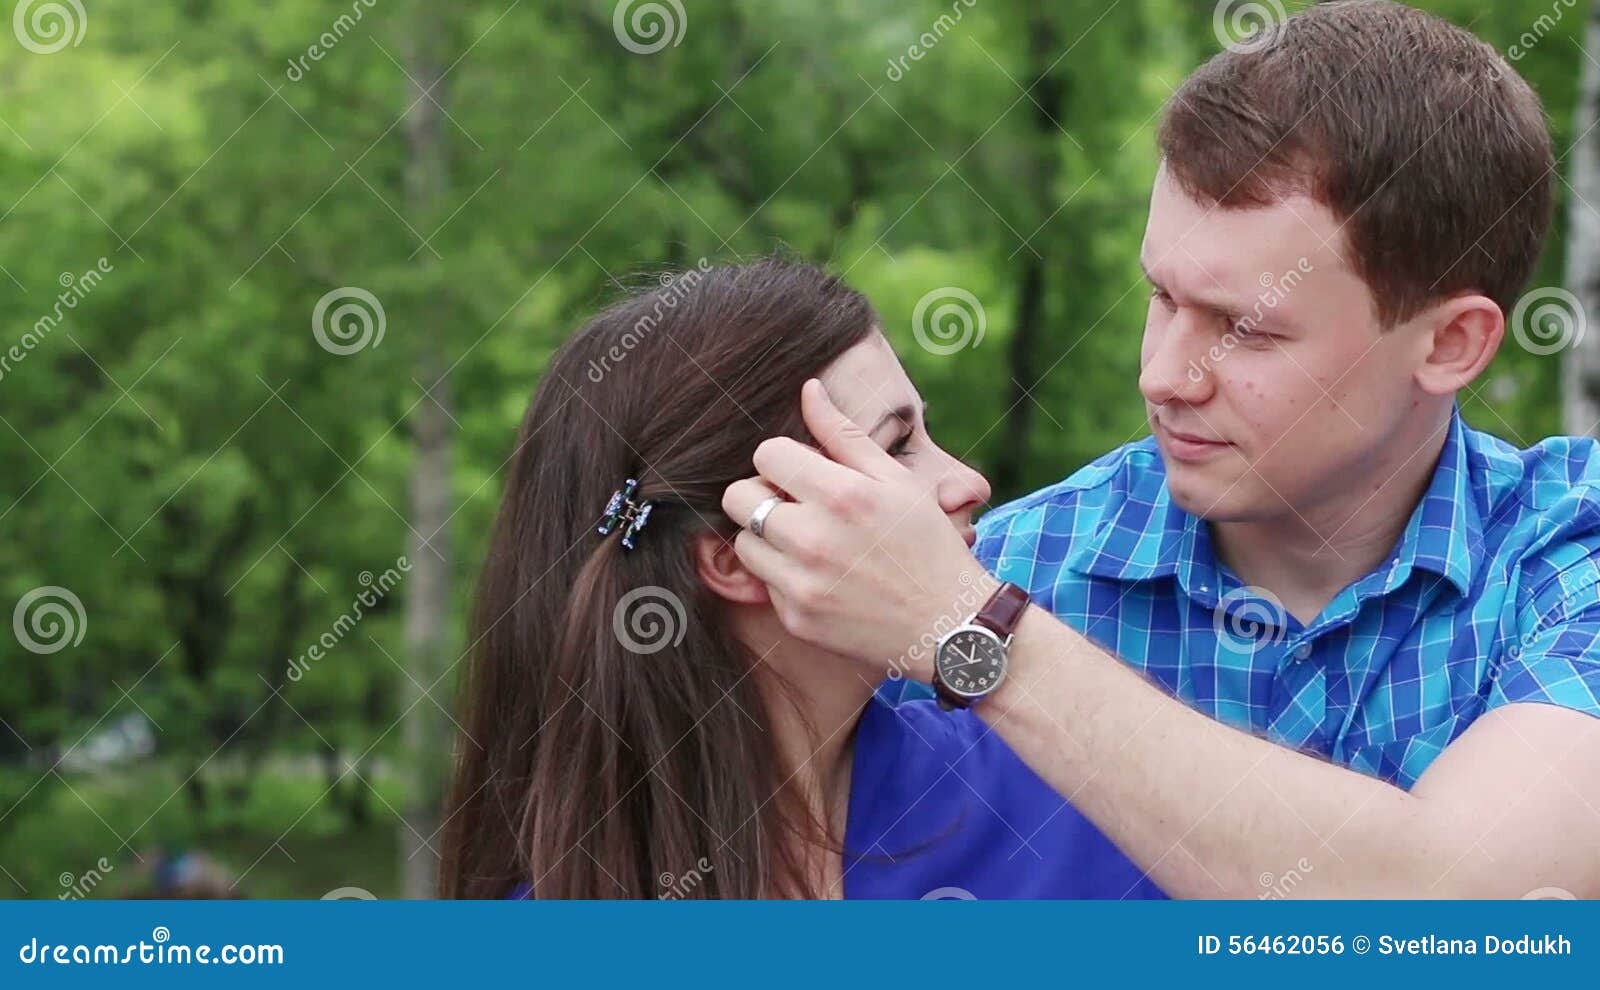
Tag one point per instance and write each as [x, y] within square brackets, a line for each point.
[904, 413]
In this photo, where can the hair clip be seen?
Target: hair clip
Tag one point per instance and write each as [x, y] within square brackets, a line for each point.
[622, 510]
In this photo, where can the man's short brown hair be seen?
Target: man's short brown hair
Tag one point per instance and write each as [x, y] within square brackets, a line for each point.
[1429, 148]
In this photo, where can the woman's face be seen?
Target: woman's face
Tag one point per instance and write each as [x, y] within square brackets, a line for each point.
[868, 385]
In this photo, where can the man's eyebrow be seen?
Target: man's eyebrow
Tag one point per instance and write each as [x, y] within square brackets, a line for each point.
[904, 413]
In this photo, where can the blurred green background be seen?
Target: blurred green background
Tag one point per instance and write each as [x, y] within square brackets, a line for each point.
[196, 489]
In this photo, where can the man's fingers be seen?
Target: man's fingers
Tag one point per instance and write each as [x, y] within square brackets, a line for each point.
[804, 472]
[762, 559]
[841, 438]
[785, 524]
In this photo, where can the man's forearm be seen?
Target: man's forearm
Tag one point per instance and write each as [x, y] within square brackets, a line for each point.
[1207, 810]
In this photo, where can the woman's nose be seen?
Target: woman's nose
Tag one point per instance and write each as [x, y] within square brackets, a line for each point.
[964, 487]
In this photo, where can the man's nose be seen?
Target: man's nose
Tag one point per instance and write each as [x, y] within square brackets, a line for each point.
[1177, 366]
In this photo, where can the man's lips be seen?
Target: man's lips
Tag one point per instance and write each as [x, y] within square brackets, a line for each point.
[1188, 446]
[1191, 438]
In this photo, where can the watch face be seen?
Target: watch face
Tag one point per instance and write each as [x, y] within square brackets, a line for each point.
[971, 662]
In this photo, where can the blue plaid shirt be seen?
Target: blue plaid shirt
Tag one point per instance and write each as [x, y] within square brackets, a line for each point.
[1492, 597]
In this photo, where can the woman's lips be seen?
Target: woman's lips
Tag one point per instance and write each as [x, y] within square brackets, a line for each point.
[1187, 447]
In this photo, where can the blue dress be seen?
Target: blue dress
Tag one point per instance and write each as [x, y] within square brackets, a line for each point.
[941, 808]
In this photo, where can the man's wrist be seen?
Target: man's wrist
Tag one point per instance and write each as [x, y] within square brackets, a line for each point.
[952, 608]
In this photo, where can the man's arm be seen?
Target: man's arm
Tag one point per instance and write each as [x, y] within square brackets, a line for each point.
[1512, 806]
[862, 561]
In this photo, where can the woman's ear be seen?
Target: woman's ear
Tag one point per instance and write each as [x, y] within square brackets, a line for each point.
[724, 573]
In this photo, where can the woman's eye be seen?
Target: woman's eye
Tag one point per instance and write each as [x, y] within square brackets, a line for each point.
[899, 446]
[1161, 297]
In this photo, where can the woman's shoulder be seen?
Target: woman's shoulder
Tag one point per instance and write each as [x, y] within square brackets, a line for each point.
[918, 735]
[941, 802]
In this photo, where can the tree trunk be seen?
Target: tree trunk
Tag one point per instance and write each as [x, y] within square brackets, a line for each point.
[1049, 99]
[1580, 371]
[425, 733]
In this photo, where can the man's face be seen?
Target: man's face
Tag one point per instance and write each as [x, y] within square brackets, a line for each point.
[1268, 383]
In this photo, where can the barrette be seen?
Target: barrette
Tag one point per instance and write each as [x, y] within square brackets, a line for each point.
[622, 510]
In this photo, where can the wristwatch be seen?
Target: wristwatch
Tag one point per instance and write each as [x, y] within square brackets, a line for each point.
[970, 660]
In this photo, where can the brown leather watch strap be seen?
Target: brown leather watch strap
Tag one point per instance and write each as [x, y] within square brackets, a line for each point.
[1003, 610]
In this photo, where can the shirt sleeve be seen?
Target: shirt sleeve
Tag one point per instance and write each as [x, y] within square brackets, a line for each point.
[1555, 659]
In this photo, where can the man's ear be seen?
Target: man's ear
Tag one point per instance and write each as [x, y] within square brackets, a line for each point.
[724, 573]
[1466, 332]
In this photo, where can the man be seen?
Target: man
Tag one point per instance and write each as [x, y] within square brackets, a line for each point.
[1315, 622]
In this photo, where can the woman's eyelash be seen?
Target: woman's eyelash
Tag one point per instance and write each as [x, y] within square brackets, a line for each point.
[899, 446]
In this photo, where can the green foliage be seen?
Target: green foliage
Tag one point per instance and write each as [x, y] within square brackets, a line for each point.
[211, 483]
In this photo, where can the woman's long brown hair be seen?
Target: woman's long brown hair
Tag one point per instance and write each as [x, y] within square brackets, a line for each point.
[614, 745]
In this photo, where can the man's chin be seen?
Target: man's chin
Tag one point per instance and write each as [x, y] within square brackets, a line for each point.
[1210, 499]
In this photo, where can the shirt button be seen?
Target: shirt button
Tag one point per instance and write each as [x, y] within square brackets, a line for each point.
[1303, 651]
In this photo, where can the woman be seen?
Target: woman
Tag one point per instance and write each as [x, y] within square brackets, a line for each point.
[638, 723]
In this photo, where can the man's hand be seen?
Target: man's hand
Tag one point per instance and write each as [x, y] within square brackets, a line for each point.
[863, 561]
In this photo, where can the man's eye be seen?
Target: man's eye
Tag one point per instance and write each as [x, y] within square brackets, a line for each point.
[1246, 331]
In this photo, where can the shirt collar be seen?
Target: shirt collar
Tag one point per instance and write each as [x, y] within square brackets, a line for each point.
[1445, 533]
[1148, 536]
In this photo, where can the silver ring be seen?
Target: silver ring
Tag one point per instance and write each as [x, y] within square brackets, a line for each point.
[758, 518]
